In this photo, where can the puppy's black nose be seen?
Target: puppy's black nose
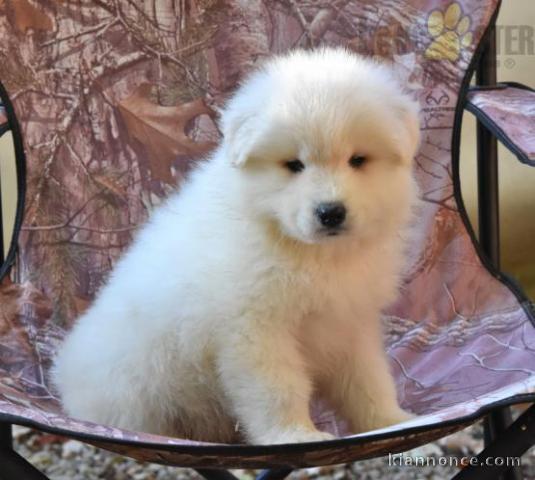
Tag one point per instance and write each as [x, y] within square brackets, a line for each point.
[331, 214]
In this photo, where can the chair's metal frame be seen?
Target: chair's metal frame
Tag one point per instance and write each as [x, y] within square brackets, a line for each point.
[502, 437]
[497, 422]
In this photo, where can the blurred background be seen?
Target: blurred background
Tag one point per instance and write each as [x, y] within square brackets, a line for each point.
[517, 181]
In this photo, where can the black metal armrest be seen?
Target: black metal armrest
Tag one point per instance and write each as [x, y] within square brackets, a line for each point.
[4, 124]
[507, 110]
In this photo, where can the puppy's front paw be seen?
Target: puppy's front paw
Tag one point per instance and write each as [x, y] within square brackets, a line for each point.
[382, 419]
[397, 416]
[294, 435]
[385, 419]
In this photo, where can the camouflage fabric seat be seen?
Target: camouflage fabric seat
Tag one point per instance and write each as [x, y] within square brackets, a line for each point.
[111, 103]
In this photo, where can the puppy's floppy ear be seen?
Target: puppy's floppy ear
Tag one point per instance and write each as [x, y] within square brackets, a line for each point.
[239, 134]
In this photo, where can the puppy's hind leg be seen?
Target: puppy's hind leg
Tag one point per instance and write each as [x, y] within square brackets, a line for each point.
[264, 378]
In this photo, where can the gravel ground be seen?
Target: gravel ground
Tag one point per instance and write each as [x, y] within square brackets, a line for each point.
[63, 459]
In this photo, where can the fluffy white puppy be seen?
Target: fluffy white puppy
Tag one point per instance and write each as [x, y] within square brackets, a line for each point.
[263, 279]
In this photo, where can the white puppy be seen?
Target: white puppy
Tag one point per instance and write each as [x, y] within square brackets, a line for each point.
[263, 279]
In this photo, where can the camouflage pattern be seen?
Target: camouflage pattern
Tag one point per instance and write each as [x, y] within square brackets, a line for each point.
[510, 113]
[118, 100]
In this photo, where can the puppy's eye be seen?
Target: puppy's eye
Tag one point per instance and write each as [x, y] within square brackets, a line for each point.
[295, 166]
[356, 161]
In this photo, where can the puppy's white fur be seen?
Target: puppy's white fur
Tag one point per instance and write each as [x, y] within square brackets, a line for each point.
[234, 304]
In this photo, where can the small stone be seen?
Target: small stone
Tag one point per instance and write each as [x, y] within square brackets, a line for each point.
[339, 475]
[462, 442]
[19, 432]
[71, 448]
[41, 459]
[429, 450]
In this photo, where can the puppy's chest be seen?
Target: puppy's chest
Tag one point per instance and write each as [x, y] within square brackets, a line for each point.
[304, 296]
[352, 289]
[343, 280]
[348, 287]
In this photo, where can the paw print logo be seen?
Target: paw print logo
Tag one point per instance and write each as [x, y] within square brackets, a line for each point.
[450, 33]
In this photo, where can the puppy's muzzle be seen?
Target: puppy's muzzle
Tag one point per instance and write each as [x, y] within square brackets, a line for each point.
[331, 215]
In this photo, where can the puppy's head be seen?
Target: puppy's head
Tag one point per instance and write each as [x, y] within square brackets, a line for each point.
[324, 142]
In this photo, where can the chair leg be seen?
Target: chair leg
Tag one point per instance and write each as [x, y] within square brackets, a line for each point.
[12, 465]
[511, 443]
[5, 435]
[215, 474]
[494, 425]
[274, 474]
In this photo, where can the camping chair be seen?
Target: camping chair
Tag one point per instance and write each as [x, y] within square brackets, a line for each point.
[111, 103]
